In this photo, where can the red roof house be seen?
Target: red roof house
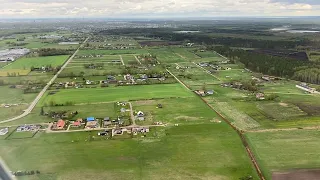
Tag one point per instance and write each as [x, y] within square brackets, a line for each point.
[60, 124]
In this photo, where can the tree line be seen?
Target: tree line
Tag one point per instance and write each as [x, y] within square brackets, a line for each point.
[54, 52]
[278, 66]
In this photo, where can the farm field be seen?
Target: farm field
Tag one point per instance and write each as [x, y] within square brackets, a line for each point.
[111, 94]
[14, 96]
[27, 63]
[286, 150]
[6, 113]
[194, 111]
[112, 52]
[166, 55]
[159, 153]
[185, 53]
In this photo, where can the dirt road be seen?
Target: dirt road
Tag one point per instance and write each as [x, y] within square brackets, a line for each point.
[36, 100]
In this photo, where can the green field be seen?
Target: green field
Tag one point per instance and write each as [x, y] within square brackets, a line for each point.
[286, 150]
[210, 151]
[26, 63]
[121, 93]
[112, 52]
[14, 96]
[166, 55]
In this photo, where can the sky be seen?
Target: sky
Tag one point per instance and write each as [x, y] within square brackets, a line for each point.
[156, 8]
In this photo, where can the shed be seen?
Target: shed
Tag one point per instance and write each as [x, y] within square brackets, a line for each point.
[90, 118]
[210, 92]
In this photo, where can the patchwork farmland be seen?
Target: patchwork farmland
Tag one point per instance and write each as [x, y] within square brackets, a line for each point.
[128, 107]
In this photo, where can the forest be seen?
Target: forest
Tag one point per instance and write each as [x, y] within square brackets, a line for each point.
[306, 71]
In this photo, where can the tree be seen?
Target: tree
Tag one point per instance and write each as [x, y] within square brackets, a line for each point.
[42, 111]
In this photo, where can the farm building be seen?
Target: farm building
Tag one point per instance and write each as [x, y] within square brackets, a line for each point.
[77, 123]
[4, 131]
[140, 116]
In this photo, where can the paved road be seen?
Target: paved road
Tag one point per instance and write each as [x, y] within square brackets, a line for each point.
[36, 100]
[4, 171]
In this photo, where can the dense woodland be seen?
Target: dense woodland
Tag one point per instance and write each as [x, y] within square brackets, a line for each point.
[278, 66]
[205, 38]
[54, 52]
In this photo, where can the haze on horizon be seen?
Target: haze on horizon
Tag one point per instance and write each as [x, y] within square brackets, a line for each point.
[156, 8]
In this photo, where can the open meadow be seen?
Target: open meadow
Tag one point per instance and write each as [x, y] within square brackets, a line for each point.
[111, 94]
[212, 151]
[27, 63]
[286, 150]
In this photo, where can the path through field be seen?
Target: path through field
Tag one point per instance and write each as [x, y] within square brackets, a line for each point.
[36, 100]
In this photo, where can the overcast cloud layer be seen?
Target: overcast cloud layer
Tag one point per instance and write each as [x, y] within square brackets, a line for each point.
[156, 8]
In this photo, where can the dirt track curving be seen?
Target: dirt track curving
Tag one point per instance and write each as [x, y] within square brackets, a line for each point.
[306, 174]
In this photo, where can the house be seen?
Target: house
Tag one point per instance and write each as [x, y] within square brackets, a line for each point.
[140, 114]
[106, 119]
[76, 124]
[144, 76]
[210, 92]
[228, 68]
[200, 92]
[60, 124]
[104, 82]
[110, 78]
[92, 124]
[106, 123]
[123, 110]
[102, 133]
[90, 118]
[89, 82]
[260, 96]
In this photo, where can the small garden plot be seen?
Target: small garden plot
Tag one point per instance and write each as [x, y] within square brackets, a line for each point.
[281, 111]
[26, 63]
[238, 118]
[164, 111]
[233, 74]
[186, 53]
[206, 54]
[129, 59]
[24, 131]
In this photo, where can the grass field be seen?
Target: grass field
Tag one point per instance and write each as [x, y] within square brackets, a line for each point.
[166, 55]
[209, 151]
[27, 63]
[122, 93]
[14, 96]
[286, 150]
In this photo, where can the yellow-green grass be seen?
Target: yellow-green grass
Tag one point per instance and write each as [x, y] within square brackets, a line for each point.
[286, 150]
[14, 72]
[26, 63]
[121, 93]
[209, 151]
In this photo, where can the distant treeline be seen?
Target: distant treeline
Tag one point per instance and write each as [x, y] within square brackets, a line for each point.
[205, 38]
[272, 65]
[54, 52]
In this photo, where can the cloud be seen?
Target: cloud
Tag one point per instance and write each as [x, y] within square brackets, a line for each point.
[156, 8]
